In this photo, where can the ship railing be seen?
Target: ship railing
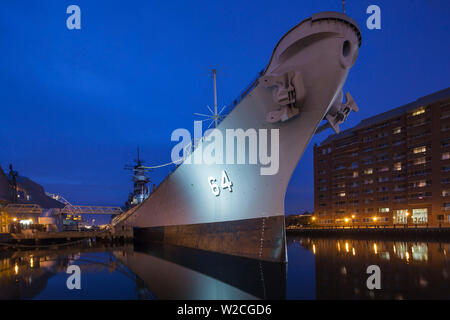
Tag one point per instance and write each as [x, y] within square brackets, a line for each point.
[247, 90]
[117, 219]
[190, 148]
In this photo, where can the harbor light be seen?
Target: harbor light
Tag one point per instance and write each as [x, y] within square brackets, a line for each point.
[374, 219]
[346, 220]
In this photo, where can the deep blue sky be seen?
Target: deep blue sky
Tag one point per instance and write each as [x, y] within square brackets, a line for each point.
[76, 104]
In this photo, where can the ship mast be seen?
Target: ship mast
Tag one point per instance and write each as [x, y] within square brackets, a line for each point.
[214, 71]
[140, 180]
[214, 115]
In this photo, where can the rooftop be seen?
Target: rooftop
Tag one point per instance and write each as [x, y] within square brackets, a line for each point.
[379, 118]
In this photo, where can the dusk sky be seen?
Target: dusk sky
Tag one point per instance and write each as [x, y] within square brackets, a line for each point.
[75, 104]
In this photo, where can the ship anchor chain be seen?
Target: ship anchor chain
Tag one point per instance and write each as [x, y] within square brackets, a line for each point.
[289, 92]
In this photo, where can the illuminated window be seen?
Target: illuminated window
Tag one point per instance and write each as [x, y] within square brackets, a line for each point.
[398, 166]
[420, 215]
[420, 160]
[368, 171]
[446, 155]
[355, 174]
[418, 111]
[420, 184]
[401, 216]
[420, 149]
[397, 130]
[445, 193]
[341, 194]
[383, 210]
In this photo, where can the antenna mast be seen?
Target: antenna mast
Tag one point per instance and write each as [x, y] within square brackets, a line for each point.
[343, 6]
[214, 71]
[214, 115]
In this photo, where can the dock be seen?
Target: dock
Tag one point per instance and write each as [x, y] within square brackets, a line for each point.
[42, 238]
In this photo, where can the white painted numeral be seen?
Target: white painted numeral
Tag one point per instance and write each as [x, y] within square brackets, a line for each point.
[226, 184]
[214, 187]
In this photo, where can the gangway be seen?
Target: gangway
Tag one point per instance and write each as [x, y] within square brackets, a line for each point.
[79, 210]
[23, 208]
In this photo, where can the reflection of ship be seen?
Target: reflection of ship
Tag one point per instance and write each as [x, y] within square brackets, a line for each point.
[172, 272]
[140, 180]
[301, 85]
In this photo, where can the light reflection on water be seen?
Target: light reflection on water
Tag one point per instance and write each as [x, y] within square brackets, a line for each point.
[318, 268]
[409, 270]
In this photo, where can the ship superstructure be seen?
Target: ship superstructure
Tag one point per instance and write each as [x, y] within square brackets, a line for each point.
[244, 215]
[140, 180]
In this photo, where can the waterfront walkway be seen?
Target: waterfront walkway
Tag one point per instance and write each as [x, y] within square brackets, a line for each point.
[378, 231]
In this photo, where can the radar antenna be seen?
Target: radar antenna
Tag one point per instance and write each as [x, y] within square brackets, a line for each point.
[214, 116]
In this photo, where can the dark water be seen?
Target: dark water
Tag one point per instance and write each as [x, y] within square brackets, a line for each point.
[318, 269]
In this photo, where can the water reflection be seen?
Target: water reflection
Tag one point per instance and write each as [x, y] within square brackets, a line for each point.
[181, 273]
[409, 270]
[123, 272]
[41, 274]
[318, 269]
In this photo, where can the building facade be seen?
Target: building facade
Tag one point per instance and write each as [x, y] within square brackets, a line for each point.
[392, 168]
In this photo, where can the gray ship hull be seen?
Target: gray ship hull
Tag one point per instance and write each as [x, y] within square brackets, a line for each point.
[314, 58]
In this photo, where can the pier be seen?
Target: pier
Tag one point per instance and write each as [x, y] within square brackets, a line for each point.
[65, 237]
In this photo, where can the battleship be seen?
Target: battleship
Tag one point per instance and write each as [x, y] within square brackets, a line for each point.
[301, 86]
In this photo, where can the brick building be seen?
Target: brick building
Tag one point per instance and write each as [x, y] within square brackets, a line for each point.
[392, 168]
